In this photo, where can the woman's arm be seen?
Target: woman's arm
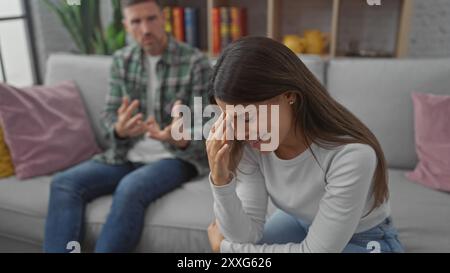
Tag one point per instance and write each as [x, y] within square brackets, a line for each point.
[241, 206]
[349, 182]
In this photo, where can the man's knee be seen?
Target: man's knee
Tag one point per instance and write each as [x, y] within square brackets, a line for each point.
[130, 188]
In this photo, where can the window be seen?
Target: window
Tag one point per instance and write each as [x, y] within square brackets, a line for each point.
[17, 65]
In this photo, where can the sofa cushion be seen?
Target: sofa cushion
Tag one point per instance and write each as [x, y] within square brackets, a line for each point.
[46, 128]
[432, 129]
[91, 74]
[421, 215]
[379, 93]
[176, 222]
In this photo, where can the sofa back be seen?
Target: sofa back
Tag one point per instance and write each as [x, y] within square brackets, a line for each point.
[91, 74]
[378, 91]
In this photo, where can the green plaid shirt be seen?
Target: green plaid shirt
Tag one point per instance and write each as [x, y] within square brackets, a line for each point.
[183, 73]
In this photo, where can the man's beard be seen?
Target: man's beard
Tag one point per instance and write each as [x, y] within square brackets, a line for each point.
[155, 45]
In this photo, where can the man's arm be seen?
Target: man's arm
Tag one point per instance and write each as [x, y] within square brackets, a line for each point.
[200, 74]
[109, 114]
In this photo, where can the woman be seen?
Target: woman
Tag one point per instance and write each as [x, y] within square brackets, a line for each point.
[327, 176]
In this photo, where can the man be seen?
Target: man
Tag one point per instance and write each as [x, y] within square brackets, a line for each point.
[144, 161]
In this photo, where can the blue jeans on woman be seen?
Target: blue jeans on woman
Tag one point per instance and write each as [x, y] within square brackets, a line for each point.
[134, 186]
[283, 228]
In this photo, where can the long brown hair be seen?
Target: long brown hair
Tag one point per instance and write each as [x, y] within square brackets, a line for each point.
[255, 69]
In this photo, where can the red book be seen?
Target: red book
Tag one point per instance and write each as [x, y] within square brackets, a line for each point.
[178, 23]
[216, 31]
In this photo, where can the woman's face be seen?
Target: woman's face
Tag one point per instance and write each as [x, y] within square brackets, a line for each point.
[263, 125]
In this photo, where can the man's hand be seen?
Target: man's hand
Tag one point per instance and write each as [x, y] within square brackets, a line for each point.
[129, 126]
[165, 135]
[215, 237]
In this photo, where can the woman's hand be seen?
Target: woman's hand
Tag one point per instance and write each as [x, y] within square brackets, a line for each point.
[218, 150]
[215, 237]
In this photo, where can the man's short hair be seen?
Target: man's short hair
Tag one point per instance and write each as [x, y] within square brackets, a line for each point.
[128, 3]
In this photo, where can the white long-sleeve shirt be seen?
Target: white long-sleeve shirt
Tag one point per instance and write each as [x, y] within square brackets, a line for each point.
[333, 195]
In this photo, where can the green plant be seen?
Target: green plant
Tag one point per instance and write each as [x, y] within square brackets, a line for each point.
[83, 22]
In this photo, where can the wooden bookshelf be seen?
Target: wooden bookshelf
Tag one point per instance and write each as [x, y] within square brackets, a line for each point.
[404, 28]
[342, 20]
[334, 28]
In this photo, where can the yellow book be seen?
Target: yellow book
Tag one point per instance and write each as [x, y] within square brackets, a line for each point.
[168, 25]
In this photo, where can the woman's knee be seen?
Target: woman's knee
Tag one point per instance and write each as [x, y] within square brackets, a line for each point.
[282, 228]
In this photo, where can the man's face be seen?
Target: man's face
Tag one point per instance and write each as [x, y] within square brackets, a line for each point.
[145, 23]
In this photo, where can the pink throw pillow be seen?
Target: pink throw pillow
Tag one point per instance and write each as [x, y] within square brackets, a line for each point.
[432, 129]
[46, 128]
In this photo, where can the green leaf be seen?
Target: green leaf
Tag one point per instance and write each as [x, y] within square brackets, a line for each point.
[84, 25]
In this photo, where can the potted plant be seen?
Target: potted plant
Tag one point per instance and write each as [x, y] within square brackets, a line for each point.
[83, 22]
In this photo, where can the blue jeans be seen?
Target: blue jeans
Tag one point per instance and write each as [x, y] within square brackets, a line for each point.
[283, 228]
[134, 186]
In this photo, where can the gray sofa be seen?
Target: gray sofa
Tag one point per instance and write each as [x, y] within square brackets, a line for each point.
[377, 91]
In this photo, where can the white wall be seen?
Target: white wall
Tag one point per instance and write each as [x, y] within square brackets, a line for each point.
[430, 29]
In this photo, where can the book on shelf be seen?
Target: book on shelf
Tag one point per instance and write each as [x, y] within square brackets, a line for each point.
[178, 23]
[225, 26]
[216, 30]
[168, 26]
[238, 23]
[228, 25]
[191, 26]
